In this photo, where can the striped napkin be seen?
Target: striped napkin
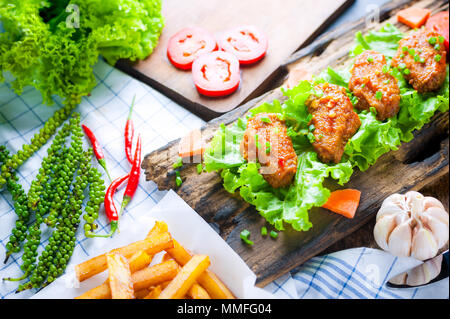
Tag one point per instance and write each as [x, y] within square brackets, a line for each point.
[359, 273]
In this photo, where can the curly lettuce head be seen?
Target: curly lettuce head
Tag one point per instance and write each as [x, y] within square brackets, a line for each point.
[53, 45]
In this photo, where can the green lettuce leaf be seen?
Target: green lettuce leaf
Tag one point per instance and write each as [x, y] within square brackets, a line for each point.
[38, 47]
[223, 151]
[384, 41]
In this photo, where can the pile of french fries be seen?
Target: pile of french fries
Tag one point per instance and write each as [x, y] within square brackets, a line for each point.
[179, 275]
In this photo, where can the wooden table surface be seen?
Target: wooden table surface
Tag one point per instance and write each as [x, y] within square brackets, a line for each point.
[364, 236]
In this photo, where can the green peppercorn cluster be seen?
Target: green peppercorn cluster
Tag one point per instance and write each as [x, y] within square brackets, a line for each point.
[20, 200]
[55, 200]
[53, 260]
[96, 197]
[38, 140]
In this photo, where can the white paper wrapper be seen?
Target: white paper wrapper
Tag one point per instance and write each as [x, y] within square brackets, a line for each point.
[187, 227]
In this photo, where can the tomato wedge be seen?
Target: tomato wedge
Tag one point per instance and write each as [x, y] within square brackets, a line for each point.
[247, 43]
[188, 44]
[216, 73]
[413, 17]
[439, 23]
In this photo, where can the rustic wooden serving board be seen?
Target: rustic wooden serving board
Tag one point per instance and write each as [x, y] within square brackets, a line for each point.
[288, 24]
[415, 164]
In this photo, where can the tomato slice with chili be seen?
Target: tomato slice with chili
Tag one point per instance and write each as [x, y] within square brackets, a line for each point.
[188, 44]
[439, 23]
[247, 43]
[216, 73]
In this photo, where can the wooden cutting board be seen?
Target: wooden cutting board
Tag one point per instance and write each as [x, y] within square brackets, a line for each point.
[416, 164]
[288, 24]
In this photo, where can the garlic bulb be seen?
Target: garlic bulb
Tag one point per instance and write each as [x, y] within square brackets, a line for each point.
[420, 275]
[412, 225]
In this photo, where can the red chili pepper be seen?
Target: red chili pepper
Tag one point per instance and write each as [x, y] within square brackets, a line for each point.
[97, 148]
[135, 172]
[129, 134]
[110, 207]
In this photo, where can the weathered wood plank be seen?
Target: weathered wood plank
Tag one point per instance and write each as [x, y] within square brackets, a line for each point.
[414, 165]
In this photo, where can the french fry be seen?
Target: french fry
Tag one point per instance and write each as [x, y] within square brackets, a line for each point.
[141, 294]
[187, 276]
[142, 279]
[197, 292]
[119, 276]
[155, 275]
[159, 228]
[100, 292]
[208, 280]
[165, 284]
[179, 253]
[154, 293]
[214, 286]
[166, 257]
[139, 260]
[151, 246]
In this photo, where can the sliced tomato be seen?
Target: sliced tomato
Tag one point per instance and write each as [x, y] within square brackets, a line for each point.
[216, 73]
[247, 43]
[188, 44]
[439, 23]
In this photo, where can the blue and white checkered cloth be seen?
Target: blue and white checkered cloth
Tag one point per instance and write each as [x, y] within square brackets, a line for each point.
[358, 273]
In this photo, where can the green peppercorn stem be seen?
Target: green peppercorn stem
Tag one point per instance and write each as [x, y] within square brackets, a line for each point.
[47, 167]
[96, 198]
[38, 140]
[41, 197]
[55, 198]
[20, 200]
[62, 241]
[66, 173]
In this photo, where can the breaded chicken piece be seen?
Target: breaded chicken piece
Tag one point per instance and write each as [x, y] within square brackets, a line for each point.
[334, 120]
[374, 86]
[421, 58]
[266, 141]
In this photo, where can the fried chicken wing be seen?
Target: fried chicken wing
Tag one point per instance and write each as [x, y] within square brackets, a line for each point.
[374, 86]
[421, 58]
[334, 120]
[266, 141]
